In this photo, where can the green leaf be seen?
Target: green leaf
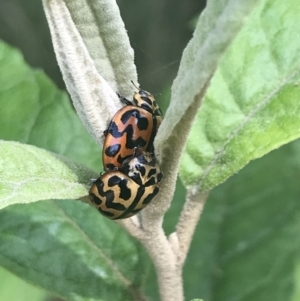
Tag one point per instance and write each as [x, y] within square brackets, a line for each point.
[69, 249]
[34, 111]
[247, 245]
[216, 29]
[29, 174]
[252, 105]
[296, 296]
[12, 288]
[109, 46]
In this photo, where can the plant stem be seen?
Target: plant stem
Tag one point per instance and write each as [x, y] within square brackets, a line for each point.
[187, 223]
[165, 262]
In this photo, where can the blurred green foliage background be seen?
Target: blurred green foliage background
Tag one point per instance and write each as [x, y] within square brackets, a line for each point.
[158, 31]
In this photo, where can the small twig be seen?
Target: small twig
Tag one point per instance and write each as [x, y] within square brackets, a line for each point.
[165, 262]
[162, 255]
[187, 223]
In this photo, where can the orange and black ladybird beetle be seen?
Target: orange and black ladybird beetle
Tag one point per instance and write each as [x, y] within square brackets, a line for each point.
[117, 195]
[135, 125]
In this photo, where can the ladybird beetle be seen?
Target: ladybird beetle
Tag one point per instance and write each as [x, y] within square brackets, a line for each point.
[132, 126]
[117, 195]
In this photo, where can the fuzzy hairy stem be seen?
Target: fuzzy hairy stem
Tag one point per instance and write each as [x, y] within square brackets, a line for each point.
[153, 214]
[187, 223]
[163, 255]
[132, 226]
[165, 261]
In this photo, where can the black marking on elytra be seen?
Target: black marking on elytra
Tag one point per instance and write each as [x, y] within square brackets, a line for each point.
[110, 166]
[107, 194]
[121, 159]
[125, 192]
[136, 178]
[152, 181]
[109, 199]
[106, 213]
[151, 172]
[147, 108]
[112, 150]
[95, 199]
[141, 121]
[130, 142]
[139, 193]
[129, 137]
[159, 177]
[150, 196]
[110, 195]
[141, 169]
[113, 181]
[99, 184]
[144, 93]
[142, 124]
[146, 99]
[111, 204]
[114, 130]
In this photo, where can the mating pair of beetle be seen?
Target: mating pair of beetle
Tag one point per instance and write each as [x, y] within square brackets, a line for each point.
[132, 174]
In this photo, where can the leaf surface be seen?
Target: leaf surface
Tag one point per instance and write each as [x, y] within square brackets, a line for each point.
[12, 288]
[29, 174]
[69, 249]
[246, 246]
[34, 111]
[252, 105]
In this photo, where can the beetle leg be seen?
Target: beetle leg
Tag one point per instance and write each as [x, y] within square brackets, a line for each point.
[124, 100]
[125, 162]
[135, 151]
[115, 168]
